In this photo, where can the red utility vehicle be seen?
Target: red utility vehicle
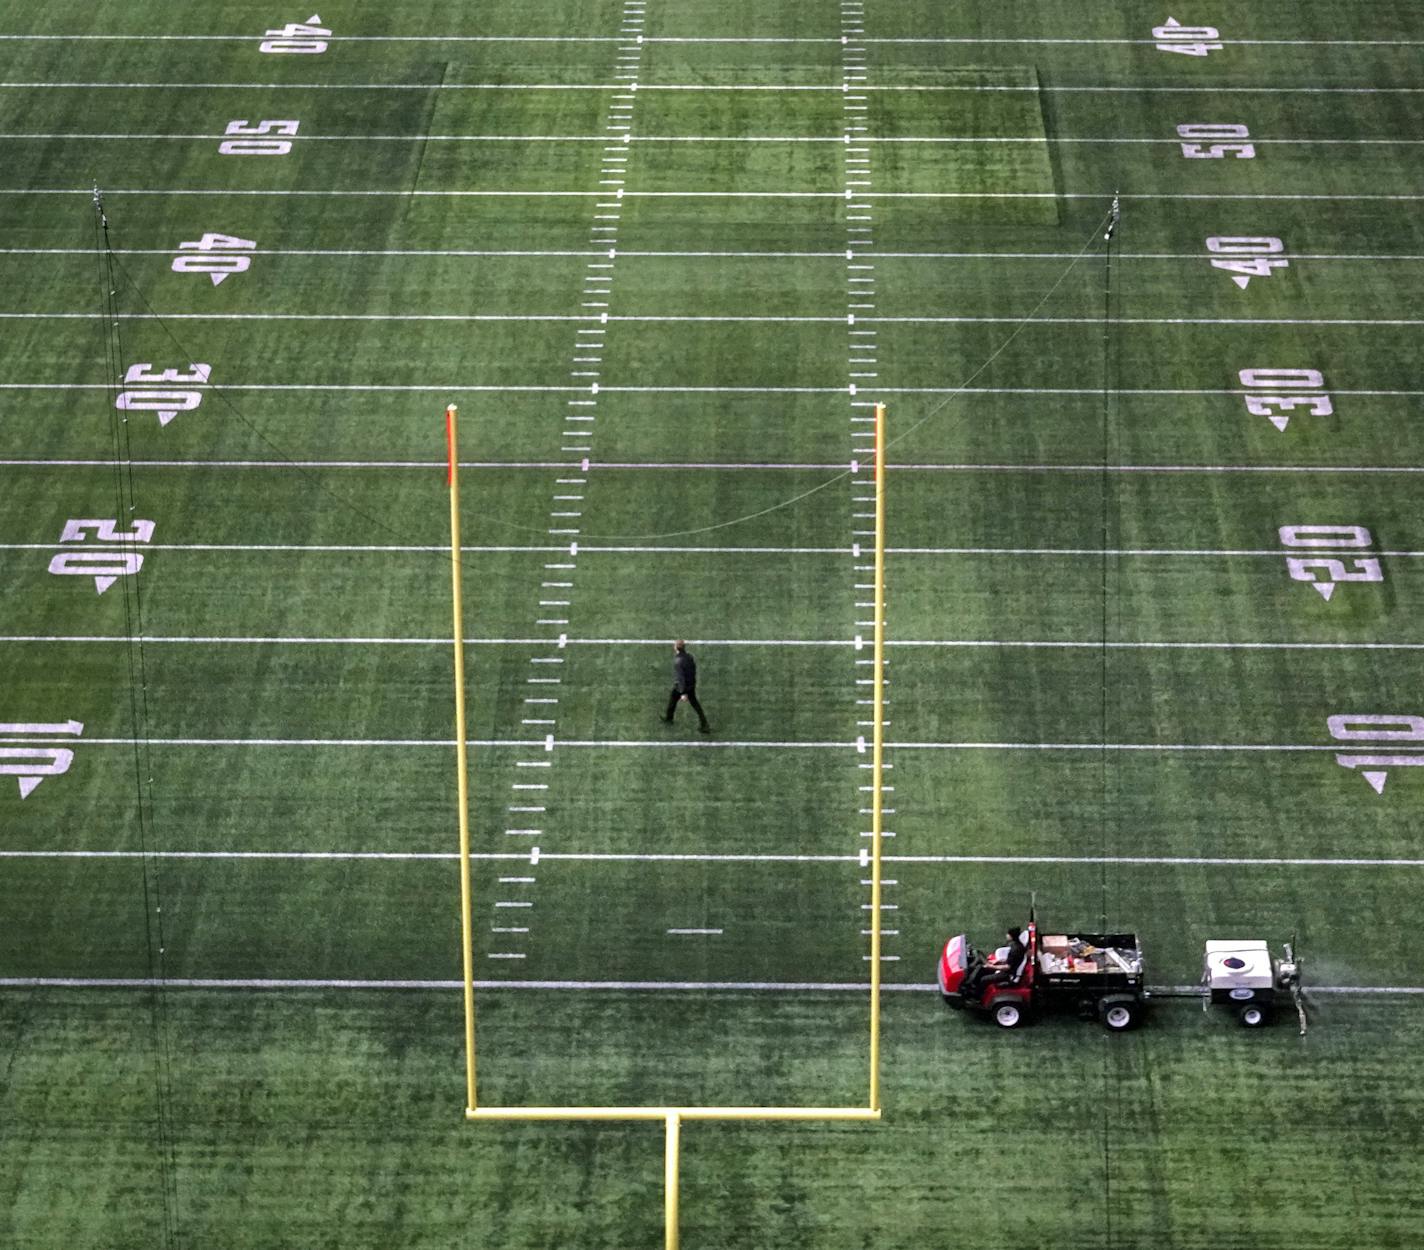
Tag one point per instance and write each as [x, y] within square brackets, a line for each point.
[1094, 974]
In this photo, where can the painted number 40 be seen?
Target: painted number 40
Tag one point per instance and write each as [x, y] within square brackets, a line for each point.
[1172, 36]
[296, 37]
[1247, 256]
[217, 255]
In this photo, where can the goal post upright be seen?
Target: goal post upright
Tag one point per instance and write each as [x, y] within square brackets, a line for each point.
[452, 441]
[877, 758]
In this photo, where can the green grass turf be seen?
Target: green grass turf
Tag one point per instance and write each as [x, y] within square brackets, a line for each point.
[1056, 479]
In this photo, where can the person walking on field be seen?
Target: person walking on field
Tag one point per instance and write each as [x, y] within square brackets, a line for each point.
[684, 685]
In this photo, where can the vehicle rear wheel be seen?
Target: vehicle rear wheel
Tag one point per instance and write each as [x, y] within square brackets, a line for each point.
[1253, 1015]
[1010, 1015]
[1120, 1013]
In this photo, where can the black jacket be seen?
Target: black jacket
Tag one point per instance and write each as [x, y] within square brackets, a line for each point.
[684, 673]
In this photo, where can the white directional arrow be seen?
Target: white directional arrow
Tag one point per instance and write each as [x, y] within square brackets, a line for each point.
[1326, 589]
[1374, 766]
[1280, 423]
[314, 19]
[1241, 280]
[72, 727]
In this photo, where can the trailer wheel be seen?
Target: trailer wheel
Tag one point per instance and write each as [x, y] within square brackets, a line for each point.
[1253, 1015]
[1010, 1014]
[1120, 1013]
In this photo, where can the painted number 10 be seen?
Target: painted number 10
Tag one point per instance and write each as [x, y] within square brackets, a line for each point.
[1215, 151]
[1391, 729]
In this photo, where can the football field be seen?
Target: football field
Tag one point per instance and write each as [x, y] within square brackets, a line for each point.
[1139, 287]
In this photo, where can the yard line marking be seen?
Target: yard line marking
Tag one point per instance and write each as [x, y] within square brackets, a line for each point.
[777, 987]
[753, 744]
[697, 932]
[470, 253]
[766, 88]
[762, 857]
[839, 197]
[711, 40]
[719, 466]
[838, 140]
[378, 549]
[741, 643]
[668, 319]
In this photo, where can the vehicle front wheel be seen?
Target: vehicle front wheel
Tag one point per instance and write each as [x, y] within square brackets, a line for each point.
[1010, 1015]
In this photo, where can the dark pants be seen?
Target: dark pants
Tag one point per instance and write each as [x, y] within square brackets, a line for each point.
[691, 698]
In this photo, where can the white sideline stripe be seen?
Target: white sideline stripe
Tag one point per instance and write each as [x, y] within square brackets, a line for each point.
[772, 88]
[945, 644]
[721, 466]
[413, 549]
[838, 196]
[705, 744]
[1205, 861]
[781, 987]
[673, 319]
[837, 140]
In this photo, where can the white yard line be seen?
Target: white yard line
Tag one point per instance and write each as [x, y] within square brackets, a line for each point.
[718, 466]
[868, 318]
[595, 549]
[705, 744]
[755, 40]
[774, 987]
[947, 644]
[632, 857]
[627, 253]
[837, 140]
[768, 88]
[509, 193]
